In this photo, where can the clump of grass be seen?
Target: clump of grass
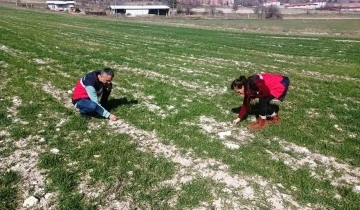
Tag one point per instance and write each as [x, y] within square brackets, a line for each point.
[9, 190]
[193, 193]
[4, 120]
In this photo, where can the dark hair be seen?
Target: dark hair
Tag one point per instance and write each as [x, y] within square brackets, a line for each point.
[239, 83]
[107, 71]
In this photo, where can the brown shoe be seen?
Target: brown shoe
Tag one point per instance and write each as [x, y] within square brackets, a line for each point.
[273, 120]
[259, 124]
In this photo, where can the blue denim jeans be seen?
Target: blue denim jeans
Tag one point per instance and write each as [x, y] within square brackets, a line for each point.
[86, 106]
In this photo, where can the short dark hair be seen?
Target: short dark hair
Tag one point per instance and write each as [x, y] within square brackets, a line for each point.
[107, 71]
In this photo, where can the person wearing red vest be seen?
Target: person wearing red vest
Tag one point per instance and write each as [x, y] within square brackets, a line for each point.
[265, 87]
[87, 90]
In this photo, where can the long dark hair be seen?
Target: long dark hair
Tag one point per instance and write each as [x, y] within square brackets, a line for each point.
[240, 82]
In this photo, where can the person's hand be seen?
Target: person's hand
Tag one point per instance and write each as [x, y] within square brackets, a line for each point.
[108, 86]
[236, 121]
[112, 117]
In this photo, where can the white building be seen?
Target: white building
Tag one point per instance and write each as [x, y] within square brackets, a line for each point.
[140, 9]
[272, 3]
[60, 5]
[314, 5]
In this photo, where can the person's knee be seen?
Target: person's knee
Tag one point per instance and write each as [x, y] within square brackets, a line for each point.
[92, 106]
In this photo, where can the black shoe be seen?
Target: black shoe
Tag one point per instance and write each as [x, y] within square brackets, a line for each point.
[85, 116]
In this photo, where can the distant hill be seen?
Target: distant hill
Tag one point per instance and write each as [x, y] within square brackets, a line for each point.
[119, 2]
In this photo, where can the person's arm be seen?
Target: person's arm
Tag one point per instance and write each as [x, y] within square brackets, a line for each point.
[93, 97]
[263, 89]
[242, 112]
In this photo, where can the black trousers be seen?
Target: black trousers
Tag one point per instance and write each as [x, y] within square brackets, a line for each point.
[264, 106]
[105, 95]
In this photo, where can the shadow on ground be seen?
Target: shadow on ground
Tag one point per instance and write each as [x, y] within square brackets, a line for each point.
[112, 104]
[254, 110]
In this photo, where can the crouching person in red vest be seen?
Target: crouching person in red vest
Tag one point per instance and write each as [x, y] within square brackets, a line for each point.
[87, 90]
[265, 87]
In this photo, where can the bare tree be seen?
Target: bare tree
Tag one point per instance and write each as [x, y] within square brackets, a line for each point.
[235, 6]
[187, 5]
[211, 10]
[273, 12]
[249, 3]
[259, 11]
[170, 3]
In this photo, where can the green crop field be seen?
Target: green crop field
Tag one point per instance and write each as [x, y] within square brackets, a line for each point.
[333, 24]
[168, 150]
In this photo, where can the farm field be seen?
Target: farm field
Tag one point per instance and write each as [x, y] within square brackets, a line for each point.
[171, 92]
[322, 24]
